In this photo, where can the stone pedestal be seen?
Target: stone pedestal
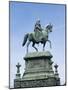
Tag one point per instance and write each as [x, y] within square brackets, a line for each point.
[38, 71]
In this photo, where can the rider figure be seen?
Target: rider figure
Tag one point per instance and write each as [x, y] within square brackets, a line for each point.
[38, 31]
[38, 26]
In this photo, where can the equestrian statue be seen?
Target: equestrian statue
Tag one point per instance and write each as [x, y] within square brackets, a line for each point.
[38, 36]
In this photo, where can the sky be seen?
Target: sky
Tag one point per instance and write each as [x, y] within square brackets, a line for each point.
[23, 17]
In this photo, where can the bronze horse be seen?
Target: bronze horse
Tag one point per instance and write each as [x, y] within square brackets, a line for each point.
[42, 37]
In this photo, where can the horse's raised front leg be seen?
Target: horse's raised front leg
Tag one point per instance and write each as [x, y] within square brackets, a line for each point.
[50, 43]
[28, 45]
[34, 46]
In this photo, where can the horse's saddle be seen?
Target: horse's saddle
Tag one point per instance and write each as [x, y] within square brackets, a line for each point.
[38, 35]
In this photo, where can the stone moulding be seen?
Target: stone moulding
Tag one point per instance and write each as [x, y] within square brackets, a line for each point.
[38, 71]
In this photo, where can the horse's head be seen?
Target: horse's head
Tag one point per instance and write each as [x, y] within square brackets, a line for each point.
[49, 27]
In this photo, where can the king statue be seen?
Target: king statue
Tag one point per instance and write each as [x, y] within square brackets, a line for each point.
[38, 26]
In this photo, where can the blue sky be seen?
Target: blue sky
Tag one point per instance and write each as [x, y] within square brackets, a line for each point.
[23, 17]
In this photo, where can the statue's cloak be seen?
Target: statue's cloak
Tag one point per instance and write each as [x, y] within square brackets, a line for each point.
[38, 35]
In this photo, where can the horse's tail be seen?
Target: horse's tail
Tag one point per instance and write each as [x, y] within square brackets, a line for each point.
[25, 39]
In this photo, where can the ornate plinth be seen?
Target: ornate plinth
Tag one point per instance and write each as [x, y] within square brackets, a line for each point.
[38, 71]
